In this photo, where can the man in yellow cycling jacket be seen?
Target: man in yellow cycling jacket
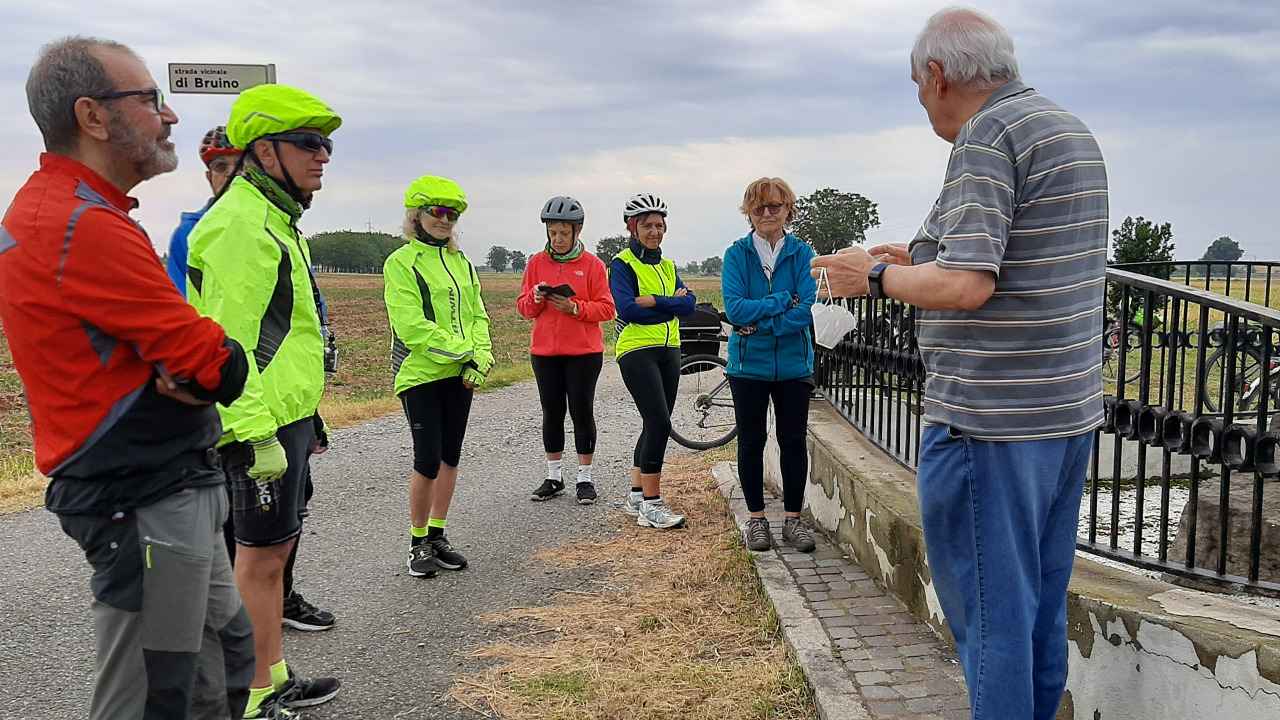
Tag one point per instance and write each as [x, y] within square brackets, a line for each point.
[249, 268]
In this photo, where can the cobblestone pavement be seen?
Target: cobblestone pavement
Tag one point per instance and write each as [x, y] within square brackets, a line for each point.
[897, 666]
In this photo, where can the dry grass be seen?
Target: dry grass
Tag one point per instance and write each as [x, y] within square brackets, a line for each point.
[679, 629]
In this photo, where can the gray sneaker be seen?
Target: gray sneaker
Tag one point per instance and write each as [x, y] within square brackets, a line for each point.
[631, 505]
[757, 534]
[797, 535]
[656, 514]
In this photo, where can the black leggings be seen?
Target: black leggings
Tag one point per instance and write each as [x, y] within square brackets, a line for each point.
[570, 378]
[791, 421]
[437, 413]
[652, 376]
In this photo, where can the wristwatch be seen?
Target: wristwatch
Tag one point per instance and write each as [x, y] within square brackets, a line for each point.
[874, 289]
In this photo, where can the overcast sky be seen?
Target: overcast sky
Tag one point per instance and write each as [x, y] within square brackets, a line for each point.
[692, 100]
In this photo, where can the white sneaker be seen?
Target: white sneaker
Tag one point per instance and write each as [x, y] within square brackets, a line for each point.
[656, 514]
[631, 505]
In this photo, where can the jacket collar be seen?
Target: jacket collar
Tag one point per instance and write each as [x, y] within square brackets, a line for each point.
[63, 165]
[239, 184]
[790, 244]
[644, 254]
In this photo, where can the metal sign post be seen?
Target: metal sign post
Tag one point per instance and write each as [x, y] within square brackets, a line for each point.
[218, 78]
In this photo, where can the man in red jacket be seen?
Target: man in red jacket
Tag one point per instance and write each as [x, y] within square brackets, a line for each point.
[120, 374]
[566, 294]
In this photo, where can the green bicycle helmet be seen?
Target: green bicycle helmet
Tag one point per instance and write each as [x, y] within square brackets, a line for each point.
[435, 190]
[268, 109]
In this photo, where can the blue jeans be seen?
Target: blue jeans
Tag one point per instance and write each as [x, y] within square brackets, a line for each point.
[1000, 531]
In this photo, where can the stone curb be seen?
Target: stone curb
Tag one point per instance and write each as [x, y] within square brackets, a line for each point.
[835, 695]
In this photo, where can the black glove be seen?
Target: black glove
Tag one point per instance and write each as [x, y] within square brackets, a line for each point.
[322, 437]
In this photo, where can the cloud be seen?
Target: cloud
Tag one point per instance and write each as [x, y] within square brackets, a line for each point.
[693, 99]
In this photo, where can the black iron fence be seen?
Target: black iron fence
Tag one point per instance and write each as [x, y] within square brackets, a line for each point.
[1184, 472]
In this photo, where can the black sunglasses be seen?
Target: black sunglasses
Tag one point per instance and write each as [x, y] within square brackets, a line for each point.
[311, 142]
[156, 95]
[442, 212]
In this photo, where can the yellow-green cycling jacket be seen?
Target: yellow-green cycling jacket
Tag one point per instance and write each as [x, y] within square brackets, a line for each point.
[249, 268]
[439, 326]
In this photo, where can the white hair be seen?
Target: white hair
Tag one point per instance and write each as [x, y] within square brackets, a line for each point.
[972, 48]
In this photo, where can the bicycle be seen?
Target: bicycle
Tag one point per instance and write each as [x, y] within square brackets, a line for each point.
[1111, 354]
[1248, 372]
[703, 416]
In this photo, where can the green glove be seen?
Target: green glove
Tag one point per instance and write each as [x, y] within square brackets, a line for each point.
[473, 376]
[269, 462]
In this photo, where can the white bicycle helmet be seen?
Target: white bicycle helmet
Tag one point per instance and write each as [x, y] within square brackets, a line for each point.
[643, 203]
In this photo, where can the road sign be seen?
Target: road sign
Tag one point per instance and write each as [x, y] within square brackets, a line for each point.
[218, 78]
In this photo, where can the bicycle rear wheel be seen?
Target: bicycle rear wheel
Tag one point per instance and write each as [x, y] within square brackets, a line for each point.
[703, 414]
[1246, 390]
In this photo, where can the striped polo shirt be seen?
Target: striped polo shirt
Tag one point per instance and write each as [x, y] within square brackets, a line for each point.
[1025, 198]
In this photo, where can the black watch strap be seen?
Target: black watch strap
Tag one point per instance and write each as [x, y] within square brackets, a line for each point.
[874, 288]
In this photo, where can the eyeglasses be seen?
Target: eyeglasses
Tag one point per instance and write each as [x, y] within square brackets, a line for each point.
[769, 209]
[311, 142]
[221, 166]
[443, 213]
[156, 95]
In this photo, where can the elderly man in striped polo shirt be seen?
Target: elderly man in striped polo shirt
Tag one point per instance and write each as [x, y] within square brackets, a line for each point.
[1007, 277]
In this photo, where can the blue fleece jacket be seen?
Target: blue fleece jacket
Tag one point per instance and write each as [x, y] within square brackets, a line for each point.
[177, 265]
[780, 310]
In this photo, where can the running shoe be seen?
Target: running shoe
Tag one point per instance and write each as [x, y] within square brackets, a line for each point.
[299, 692]
[547, 490]
[757, 534]
[586, 493]
[656, 514]
[272, 709]
[302, 615]
[631, 505]
[797, 535]
[446, 556]
[422, 561]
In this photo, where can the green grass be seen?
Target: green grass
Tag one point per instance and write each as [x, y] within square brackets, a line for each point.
[555, 688]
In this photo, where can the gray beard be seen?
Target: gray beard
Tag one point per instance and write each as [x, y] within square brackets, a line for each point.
[148, 157]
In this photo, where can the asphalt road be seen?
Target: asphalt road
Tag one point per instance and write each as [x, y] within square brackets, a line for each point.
[400, 641]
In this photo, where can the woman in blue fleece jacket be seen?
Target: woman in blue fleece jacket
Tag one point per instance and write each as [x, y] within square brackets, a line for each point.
[768, 297]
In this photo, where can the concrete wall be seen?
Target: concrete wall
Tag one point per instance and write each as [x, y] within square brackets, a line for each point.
[1140, 648]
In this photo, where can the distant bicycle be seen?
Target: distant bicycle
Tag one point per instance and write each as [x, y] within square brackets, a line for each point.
[1247, 376]
[703, 414]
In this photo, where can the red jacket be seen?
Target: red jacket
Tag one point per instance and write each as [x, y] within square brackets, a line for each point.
[89, 314]
[554, 332]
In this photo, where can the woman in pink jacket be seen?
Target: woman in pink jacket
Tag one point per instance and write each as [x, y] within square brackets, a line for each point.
[566, 294]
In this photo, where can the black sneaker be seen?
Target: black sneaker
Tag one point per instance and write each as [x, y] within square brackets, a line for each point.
[548, 489]
[422, 561]
[302, 615]
[273, 708]
[446, 556]
[586, 493]
[300, 692]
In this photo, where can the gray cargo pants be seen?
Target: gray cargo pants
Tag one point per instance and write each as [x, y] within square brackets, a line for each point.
[173, 640]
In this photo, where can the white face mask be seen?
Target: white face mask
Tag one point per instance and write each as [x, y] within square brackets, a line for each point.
[831, 321]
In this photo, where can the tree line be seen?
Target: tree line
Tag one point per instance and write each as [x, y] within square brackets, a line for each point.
[827, 219]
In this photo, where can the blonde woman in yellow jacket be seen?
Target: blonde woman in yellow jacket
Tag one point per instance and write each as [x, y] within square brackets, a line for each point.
[440, 352]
